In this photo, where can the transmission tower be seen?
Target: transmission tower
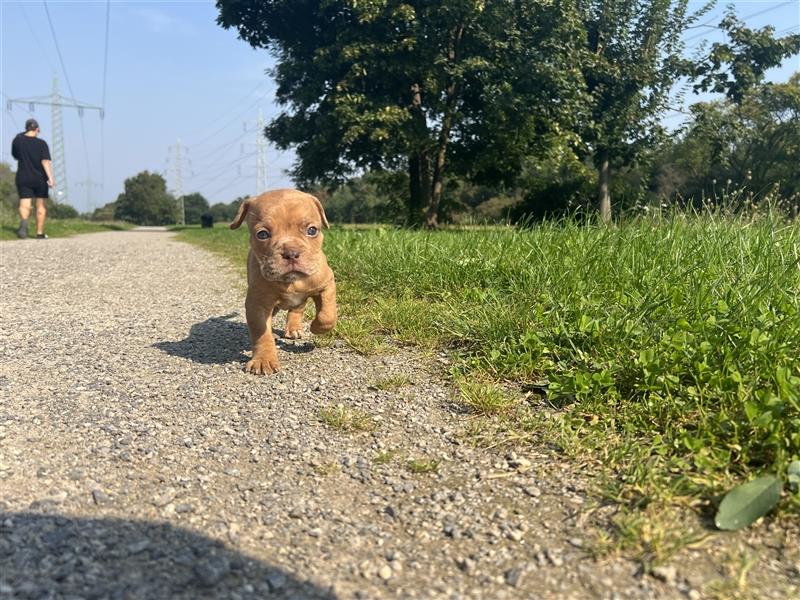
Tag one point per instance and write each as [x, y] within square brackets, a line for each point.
[261, 156]
[260, 152]
[176, 174]
[89, 184]
[56, 101]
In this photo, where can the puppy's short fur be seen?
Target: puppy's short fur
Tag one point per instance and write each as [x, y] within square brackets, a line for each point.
[285, 267]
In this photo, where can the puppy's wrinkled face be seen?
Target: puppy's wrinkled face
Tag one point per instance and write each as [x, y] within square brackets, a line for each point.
[285, 233]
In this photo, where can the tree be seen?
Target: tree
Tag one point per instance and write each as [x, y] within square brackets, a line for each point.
[145, 201]
[388, 85]
[738, 65]
[194, 205]
[752, 145]
[8, 192]
[630, 62]
[223, 212]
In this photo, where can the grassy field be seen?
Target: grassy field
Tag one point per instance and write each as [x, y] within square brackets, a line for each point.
[667, 350]
[59, 227]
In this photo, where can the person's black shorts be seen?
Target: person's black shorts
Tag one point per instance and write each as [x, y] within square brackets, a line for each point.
[32, 190]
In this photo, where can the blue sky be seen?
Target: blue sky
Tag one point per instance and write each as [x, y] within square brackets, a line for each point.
[172, 74]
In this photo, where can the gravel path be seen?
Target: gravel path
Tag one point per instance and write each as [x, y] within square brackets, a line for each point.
[137, 460]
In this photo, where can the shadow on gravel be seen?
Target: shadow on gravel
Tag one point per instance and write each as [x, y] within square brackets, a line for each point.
[47, 556]
[219, 341]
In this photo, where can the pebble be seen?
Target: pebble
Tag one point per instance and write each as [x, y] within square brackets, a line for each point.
[210, 571]
[385, 572]
[100, 497]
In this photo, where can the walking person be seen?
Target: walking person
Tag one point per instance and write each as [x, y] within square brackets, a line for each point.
[34, 176]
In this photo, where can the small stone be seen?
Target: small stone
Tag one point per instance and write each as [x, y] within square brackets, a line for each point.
[532, 491]
[211, 570]
[466, 564]
[555, 558]
[514, 534]
[385, 572]
[100, 497]
[276, 581]
[137, 547]
[184, 508]
[575, 541]
[514, 577]
[666, 573]
[164, 498]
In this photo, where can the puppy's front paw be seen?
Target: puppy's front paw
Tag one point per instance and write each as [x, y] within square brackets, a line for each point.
[319, 326]
[262, 365]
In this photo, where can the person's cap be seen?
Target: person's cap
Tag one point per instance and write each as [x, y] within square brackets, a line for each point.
[31, 125]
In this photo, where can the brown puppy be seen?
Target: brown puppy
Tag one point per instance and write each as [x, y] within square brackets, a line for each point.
[285, 268]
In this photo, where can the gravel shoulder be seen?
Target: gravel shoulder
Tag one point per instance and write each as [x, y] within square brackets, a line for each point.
[138, 460]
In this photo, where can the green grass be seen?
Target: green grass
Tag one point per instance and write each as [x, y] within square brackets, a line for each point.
[60, 227]
[346, 419]
[392, 382]
[422, 466]
[668, 348]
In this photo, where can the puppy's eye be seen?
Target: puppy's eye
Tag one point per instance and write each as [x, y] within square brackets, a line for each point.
[312, 231]
[263, 234]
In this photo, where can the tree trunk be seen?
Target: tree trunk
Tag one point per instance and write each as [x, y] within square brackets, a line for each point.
[432, 215]
[604, 184]
[419, 174]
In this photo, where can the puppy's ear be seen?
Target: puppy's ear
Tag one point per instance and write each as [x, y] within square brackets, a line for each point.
[237, 220]
[321, 212]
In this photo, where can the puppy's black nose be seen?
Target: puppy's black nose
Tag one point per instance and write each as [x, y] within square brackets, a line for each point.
[290, 254]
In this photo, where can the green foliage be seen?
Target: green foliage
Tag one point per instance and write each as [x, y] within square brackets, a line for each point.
[104, 213]
[748, 502]
[372, 198]
[8, 192]
[752, 145]
[389, 85]
[793, 476]
[60, 210]
[631, 61]
[58, 227]
[194, 206]
[737, 66]
[224, 213]
[146, 201]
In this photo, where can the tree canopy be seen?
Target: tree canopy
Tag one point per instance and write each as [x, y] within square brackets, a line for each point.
[382, 84]
[146, 201]
[480, 91]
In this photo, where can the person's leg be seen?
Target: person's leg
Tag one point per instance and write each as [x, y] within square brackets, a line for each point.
[24, 214]
[41, 214]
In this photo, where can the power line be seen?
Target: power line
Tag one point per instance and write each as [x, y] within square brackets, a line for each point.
[221, 147]
[36, 39]
[221, 168]
[69, 87]
[231, 120]
[755, 14]
[103, 103]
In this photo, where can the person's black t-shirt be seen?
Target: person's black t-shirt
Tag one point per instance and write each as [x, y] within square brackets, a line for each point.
[30, 152]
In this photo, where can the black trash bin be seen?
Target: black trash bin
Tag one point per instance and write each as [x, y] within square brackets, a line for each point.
[206, 221]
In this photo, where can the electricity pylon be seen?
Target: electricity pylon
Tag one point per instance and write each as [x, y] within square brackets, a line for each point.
[176, 172]
[56, 101]
[261, 154]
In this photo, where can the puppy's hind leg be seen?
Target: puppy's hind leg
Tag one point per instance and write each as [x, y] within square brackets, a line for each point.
[294, 323]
